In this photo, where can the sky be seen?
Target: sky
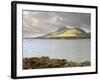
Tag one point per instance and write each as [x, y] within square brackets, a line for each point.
[39, 23]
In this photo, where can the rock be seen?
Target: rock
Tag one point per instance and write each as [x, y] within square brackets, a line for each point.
[86, 63]
[46, 62]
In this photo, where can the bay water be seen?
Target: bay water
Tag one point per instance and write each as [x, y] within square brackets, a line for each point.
[69, 49]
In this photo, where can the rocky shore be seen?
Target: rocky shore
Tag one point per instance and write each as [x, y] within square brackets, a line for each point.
[46, 62]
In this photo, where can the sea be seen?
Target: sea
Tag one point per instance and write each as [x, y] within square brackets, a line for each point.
[70, 49]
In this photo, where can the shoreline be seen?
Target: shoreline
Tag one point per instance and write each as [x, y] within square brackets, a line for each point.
[46, 62]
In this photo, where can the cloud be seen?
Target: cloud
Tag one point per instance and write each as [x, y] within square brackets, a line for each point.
[37, 23]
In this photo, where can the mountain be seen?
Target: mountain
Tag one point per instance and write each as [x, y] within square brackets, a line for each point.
[57, 31]
[69, 34]
[66, 33]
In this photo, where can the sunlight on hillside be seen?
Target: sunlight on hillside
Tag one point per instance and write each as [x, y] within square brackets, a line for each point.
[70, 33]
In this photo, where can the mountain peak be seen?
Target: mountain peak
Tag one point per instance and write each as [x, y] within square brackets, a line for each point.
[70, 33]
[67, 33]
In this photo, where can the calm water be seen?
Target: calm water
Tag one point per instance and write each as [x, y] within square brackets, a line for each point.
[74, 50]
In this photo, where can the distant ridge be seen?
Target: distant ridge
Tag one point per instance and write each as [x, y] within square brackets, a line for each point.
[66, 33]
